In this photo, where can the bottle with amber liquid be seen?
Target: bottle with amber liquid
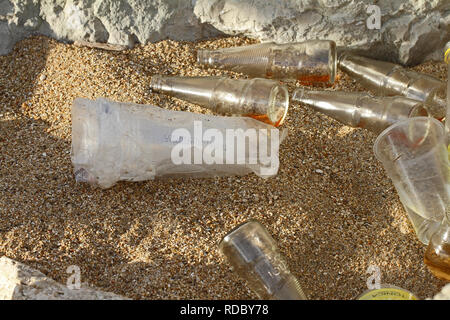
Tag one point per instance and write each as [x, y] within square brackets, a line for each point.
[437, 256]
[312, 61]
[262, 99]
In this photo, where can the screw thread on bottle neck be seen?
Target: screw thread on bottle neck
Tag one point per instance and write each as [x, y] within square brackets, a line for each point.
[203, 57]
[156, 83]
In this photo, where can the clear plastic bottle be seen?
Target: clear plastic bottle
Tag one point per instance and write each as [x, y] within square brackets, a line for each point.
[262, 99]
[390, 79]
[309, 62]
[437, 255]
[414, 156]
[114, 141]
[424, 228]
[254, 256]
[361, 109]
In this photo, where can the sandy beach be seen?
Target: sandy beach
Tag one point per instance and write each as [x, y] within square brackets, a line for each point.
[331, 208]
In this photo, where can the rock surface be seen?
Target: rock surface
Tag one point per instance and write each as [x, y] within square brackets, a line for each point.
[444, 294]
[409, 31]
[20, 282]
[113, 21]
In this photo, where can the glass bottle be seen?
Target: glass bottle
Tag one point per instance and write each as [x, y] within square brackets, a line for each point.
[254, 256]
[311, 61]
[361, 110]
[262, 99]
[391, 79]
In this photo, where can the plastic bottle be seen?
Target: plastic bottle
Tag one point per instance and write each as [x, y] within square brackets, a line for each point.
[309, 62]
[254, 256]
[114, 141]
[437, 255]
[414, 156]
[263, 99]
[361, 109]
[390, 79]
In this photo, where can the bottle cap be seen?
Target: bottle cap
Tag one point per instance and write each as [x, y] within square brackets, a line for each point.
[387, 292]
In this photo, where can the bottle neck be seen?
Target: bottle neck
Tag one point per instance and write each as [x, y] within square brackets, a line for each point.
[446, 220]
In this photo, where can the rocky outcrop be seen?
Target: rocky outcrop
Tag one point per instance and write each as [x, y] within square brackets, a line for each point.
[20, 282]
[123, 22]
[408, 32]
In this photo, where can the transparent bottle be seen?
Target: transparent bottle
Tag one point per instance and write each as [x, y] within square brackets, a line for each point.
[361, 110]
[262, 99]
[311, 61]
[391, 79]
[437, 255]
[113, 141]
[414, 156]
[254, 256]
[424, 228]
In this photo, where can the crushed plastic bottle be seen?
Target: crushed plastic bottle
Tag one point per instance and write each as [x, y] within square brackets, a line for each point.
[254, 256]
[390, 79]
[437, 255]
[263, 99]
[414, 155]
[114, 141]
[309, 62]
[361, 110]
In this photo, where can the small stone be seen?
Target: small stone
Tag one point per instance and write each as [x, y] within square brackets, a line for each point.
[42, 77]
[319, 171]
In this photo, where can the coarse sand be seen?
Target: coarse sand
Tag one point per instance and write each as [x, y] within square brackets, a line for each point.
[331, 208]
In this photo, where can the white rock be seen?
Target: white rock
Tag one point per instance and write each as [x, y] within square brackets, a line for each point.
[410, 31]
[123, 22]
[444, 294]
[20, 282]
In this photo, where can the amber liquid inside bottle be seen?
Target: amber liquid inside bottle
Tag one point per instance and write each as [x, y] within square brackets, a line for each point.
[263, 118]
[438, 263]
[437, 255]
